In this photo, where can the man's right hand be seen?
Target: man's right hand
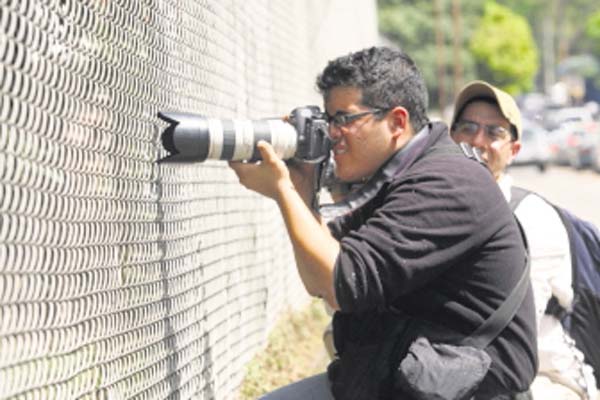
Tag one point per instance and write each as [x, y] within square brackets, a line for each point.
[267, 177]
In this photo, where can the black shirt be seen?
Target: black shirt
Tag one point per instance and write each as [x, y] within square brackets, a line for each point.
[438, 223]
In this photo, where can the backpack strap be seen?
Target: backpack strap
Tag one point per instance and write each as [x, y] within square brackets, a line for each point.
[553, 307]
[517, 194]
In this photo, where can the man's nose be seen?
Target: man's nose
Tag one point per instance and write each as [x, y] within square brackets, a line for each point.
[335, 132]
[479, 139]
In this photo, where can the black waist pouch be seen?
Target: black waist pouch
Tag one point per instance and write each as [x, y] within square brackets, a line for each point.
[439, 371]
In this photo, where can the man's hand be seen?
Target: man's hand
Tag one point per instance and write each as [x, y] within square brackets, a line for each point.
[271, 175]
[268, 177]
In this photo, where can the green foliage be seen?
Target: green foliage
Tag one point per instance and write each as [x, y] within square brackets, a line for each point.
[592, 30]
[571, 21]
[511, 57]
[505, 49]
[530, 9]
[405, 24]
[411, 24]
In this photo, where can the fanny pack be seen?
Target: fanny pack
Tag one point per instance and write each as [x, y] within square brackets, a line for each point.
[441, 371]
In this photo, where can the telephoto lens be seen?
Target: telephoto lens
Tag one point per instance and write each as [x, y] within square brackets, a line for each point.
[196, 138]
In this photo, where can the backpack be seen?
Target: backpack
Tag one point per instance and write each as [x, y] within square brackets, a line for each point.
[582, 321]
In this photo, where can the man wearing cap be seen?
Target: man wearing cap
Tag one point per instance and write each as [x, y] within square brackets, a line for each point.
[488, 118]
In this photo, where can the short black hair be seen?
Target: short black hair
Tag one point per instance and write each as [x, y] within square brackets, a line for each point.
[386, 78]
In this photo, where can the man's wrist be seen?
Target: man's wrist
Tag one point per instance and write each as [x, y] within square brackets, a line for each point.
[283, 190]
[309, 198]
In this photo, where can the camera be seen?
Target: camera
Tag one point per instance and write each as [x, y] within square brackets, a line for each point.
[192, 137]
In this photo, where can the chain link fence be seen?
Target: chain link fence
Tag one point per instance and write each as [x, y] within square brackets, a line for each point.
[121, 278]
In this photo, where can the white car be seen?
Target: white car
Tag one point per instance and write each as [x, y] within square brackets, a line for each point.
[535, 146]
[575, 136]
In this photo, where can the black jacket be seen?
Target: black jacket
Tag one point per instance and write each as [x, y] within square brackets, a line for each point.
[436, 225]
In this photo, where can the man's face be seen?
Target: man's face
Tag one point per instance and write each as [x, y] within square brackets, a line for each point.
[362, 145]
[482, 125]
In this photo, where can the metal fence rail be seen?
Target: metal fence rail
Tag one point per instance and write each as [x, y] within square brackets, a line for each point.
[121, 278]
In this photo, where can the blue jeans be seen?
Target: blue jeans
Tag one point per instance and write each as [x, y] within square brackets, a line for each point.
[317, 388]
[314, 388]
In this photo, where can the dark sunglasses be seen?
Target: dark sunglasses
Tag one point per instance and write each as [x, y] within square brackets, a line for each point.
[470, 128]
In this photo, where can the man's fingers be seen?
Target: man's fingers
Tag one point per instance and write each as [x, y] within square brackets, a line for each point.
[267, 152]
[241, 169]
[235, 165]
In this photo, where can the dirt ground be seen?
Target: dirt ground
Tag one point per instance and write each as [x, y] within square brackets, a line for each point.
[295, 350]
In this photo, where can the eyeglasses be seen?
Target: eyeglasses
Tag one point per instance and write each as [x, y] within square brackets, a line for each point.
[340, 119]
[470, 128]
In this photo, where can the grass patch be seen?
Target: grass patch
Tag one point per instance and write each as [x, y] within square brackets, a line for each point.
[294, 351]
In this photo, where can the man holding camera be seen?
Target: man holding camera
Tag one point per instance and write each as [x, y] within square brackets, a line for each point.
[430, 249]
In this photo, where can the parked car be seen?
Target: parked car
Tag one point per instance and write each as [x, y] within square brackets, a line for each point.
[532, 105]
[535, 146]
[595, 163]
[574, 136]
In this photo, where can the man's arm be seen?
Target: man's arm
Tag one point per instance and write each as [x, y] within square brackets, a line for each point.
[315, 249]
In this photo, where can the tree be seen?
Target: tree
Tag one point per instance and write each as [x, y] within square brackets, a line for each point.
[572, 27]
[411, 24]
[505, 49]
[592, 30]
[559, 29]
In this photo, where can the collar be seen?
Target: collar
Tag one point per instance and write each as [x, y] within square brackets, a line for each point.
[394, 166]
[505, 182]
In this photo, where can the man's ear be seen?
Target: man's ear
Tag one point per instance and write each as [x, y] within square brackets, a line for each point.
[514, 150]
[399, 120]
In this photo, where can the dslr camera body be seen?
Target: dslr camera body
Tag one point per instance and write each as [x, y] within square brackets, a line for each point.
[195, 138]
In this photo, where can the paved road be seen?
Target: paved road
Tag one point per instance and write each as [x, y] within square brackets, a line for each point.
[578, 191]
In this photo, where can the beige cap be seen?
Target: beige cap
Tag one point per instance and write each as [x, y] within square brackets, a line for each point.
[482, 89]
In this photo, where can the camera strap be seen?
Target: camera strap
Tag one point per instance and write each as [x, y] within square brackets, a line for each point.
[394, 166]
[319, 172]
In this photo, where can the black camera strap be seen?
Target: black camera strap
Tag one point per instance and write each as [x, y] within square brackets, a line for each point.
[319, 171]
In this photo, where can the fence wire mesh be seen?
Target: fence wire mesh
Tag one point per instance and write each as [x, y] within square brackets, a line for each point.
[121, 278]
